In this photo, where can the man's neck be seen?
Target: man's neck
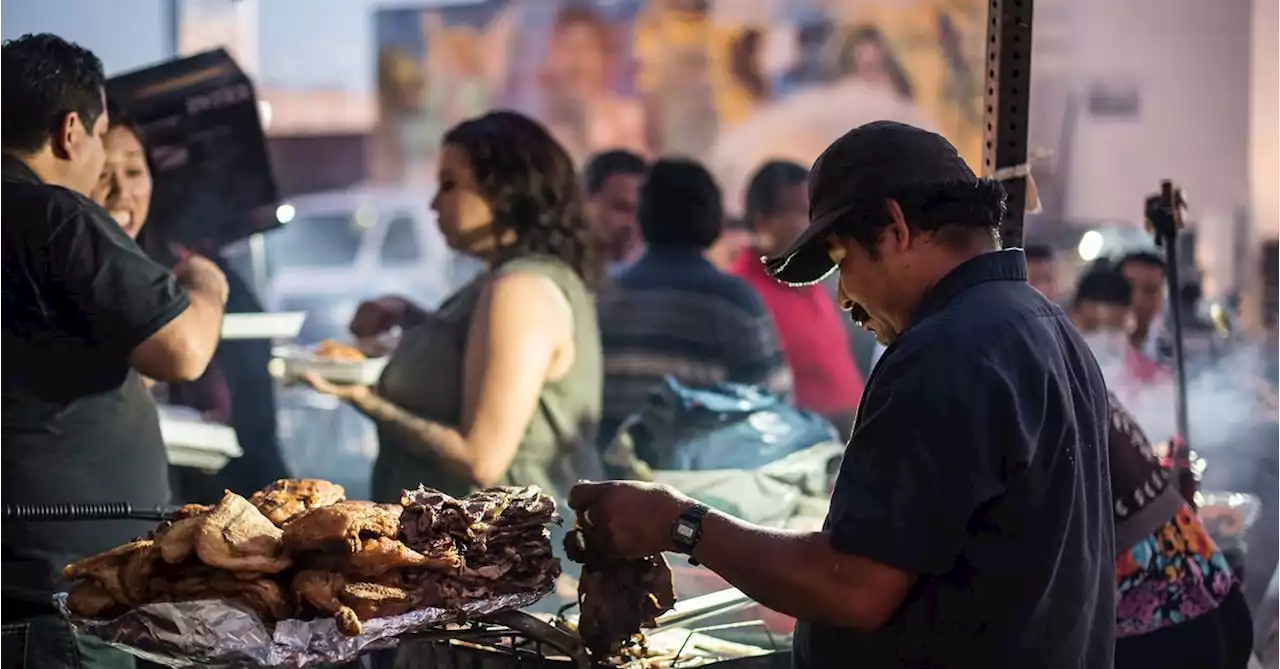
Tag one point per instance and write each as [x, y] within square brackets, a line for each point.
[939, 268]
[44, 166]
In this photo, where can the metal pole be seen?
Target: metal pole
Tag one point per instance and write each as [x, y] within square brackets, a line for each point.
[1007, 100]
[173, 29]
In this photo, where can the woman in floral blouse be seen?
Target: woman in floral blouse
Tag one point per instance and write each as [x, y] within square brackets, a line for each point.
[1177, 603]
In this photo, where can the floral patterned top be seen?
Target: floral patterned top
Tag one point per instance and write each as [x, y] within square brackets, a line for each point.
[1174, 575]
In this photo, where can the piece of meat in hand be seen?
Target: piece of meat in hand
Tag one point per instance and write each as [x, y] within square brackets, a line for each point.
[379, 555]
[320, 590]
[344, 524]
[236, 536]
[287, 499]
[617, 597]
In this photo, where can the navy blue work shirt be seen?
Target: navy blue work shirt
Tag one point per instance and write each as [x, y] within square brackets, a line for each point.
[979, 464]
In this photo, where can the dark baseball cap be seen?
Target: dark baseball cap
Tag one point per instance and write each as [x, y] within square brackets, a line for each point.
[855, 175]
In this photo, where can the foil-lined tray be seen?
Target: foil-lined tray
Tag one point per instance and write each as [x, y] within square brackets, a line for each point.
[221, 634]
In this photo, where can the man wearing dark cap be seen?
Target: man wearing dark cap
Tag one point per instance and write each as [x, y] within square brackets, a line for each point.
[970, 524]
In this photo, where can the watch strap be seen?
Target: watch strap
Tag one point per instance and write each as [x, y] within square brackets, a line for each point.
[687, 530]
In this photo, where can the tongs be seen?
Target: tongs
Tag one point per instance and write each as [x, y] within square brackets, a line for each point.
[70, 512]
[702, 607]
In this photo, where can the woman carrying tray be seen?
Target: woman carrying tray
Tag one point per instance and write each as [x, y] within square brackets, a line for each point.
[501, 385]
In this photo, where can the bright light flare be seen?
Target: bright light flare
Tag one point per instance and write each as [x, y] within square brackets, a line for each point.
[1090, 246]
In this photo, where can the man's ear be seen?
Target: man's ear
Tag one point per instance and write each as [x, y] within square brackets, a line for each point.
[71, 131]
[898, 227]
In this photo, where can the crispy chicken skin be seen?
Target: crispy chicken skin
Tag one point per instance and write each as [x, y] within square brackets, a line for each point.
[106, 569]
[343, 523]
[236, 536]
[287, 499]
[177, 540]
[88, 599]
[375, 600]
[320, 589]
[379, 555]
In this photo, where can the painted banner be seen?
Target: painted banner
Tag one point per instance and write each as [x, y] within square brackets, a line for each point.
[733, 83]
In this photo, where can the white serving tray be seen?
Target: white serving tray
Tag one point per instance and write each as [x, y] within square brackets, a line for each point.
[194, 442]
[291, 362]
[281, 325]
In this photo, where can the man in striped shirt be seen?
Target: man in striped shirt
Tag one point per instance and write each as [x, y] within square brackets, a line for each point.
[672, 312]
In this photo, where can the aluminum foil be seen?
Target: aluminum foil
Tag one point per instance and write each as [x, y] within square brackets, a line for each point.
[217, 633]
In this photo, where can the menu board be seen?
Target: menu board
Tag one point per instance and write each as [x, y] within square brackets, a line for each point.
[206, 148]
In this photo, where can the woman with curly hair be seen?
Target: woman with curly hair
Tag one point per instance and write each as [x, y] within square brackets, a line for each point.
[501, 385]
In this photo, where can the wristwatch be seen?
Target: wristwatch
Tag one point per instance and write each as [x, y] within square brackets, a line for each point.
[687, 530]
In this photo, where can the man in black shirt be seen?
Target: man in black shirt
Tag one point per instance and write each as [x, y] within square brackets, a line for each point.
[84, 312]
[970, 524]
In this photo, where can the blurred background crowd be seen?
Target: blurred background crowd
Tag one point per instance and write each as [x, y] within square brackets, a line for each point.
[691, 124]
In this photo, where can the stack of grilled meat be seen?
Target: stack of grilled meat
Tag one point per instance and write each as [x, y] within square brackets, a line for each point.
[500, 535]
[298, 548]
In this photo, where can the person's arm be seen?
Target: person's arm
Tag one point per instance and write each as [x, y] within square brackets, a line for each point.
[513, 342]
[130, 305]
[913, 475]
[182, 349]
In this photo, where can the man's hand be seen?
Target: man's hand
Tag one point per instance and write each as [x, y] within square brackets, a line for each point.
[375, 317]
[199, 275]
[628, 519]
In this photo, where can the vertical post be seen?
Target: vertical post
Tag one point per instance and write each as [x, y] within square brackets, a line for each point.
[1008, 96]
[173, 27]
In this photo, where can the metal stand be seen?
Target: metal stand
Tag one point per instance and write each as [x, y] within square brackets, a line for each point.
[1007, 99]
[1164, 221]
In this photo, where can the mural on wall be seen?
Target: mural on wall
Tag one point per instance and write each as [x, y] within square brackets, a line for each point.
[730, 82]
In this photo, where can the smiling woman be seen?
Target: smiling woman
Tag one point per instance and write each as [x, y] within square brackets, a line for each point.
[124, 189]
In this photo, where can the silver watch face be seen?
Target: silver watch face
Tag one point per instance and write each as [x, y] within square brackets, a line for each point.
[685, 530]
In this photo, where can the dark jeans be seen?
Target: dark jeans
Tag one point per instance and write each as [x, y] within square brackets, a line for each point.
[47, 642]
[1221, 639]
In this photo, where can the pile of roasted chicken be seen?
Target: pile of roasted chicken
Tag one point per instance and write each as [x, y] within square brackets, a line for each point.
[299, 549]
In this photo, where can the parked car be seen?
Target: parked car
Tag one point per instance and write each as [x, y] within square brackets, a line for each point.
[339, 248]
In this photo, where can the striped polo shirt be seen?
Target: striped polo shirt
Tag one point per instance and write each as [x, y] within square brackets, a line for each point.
[674, 313]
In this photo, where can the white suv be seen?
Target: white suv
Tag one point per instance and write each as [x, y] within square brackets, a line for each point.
[339, 248]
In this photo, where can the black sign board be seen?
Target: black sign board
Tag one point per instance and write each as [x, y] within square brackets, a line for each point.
[208, 154]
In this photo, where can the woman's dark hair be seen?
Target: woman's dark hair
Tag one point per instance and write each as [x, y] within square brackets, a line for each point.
[530, 184]
[119, 117]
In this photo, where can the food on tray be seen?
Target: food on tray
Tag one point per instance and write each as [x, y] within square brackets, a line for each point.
[337, 351]
[1223, 521]
[499, 534]
[236, 536]
[618, 597]
[287, 499]
[297, 548]
[345, 524]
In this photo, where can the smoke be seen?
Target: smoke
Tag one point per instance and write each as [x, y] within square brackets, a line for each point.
[1226, 402]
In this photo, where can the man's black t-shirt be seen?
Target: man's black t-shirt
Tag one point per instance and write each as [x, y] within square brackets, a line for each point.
[979, 464]
[78, 425]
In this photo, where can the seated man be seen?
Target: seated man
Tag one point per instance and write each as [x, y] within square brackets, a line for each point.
[672, 313]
